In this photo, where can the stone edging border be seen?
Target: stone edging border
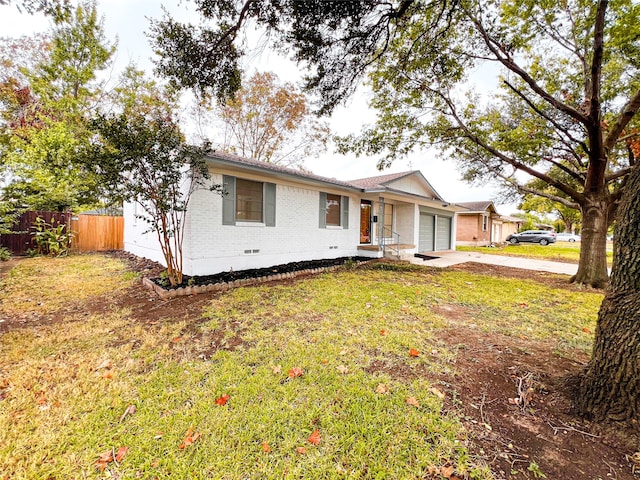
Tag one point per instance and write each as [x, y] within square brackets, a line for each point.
[217, 287]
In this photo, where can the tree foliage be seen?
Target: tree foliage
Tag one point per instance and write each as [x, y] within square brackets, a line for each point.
[57, 9]
[144, 157]
[45, 109]
[271, 121]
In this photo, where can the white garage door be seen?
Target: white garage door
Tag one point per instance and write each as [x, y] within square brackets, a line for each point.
[443, 234]
[425, 241]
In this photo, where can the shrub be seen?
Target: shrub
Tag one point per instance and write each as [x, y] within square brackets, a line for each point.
[51, 239]
[5, 254]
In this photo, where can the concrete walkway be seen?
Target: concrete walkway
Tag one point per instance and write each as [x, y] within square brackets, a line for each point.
[446, 259]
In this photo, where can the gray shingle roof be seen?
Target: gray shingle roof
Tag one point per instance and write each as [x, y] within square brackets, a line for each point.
[379, 180]
[480, 206]
[250, 162]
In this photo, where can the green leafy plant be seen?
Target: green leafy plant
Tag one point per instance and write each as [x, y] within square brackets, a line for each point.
[535, 469]
[51, 239]
[5, 254]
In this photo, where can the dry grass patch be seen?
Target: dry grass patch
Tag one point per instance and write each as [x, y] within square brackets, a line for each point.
[44, 285]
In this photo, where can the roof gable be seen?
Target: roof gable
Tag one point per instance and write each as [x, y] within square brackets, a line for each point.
[412, 182]
[477, 207]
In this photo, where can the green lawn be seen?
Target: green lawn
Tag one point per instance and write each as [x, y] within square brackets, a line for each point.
[319, 374]
[559, 251]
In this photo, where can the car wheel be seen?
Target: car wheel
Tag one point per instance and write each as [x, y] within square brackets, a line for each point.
[572, 240]
[544, 241]
[513, 241]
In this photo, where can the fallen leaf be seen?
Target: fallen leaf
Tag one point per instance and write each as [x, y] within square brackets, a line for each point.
[104, 459]
[342, 369]
[222, 400]
[446, 472]
[413, 352]
[108, 374]
[522, 337]
[586, 330]
[367, 305]
[301, 450]
[437, 392]
[383, 332]
[277, 370]
[265, 447]
[524, 305]
[313, 340]
[324, 361]
[120, 453]
[41, 398]
[382, 389]
[314, 437]
[413, 402]
[295, 372]
[189, 438]
[176, 339]
[344, 351]
[158, 436]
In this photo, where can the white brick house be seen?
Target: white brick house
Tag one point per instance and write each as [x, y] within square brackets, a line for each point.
[272, 215]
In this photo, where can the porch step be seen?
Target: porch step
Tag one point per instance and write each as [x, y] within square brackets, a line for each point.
[400, 246]
[370, 248]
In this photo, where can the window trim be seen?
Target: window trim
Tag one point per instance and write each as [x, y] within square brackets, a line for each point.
[229, 199]
[262, 202]
[344, 211]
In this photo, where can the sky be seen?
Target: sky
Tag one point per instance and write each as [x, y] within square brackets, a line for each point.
[127, 21]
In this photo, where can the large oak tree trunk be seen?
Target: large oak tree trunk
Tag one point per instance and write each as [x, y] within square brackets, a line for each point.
[610, 385]
[592, 269]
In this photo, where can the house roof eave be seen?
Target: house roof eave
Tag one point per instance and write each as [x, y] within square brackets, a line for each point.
[274, 170]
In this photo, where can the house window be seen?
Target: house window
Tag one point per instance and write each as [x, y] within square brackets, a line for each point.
[249, 200]
[485, 223]
[333, 210]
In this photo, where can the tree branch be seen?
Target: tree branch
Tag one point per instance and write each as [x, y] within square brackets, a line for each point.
[507, 61]
[553, 122]
[577, 196]
[628, 112]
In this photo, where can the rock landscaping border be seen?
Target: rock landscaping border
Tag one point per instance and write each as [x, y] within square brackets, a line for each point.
[165, 293]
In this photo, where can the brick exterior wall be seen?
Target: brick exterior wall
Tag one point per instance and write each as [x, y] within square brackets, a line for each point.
[212, 247]
[469, 230]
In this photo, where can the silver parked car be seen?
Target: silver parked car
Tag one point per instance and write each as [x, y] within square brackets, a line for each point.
[567, 237]
[542, 237]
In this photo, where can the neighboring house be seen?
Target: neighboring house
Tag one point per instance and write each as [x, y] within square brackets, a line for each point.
[478, 223]
[272, 215]
[511, 225]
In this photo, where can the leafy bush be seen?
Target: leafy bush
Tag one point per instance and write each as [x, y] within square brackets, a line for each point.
[5, 254]
[51, 239]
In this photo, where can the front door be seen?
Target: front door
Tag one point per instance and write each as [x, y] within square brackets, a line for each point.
[365, 221]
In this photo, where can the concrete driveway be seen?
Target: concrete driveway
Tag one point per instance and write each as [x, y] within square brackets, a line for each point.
[448, 258]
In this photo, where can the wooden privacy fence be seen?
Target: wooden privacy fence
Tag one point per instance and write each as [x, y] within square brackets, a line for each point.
[21, 239]
[91, 233]
[95, 233]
